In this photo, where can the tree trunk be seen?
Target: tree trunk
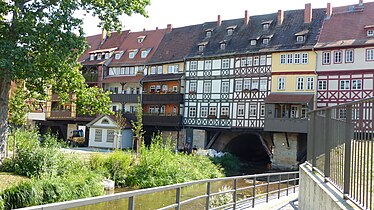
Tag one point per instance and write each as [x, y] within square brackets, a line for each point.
[4, 97]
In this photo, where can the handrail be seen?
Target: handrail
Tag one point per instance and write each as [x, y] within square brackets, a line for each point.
[293, 179]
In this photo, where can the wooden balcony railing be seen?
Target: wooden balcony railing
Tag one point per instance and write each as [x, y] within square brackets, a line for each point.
[128, 98]
[167, 98]
[162, 119]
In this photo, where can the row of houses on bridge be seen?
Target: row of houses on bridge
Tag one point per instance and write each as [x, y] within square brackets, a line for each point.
[257, 74]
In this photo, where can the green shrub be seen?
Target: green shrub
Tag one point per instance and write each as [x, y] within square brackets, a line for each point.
[221, 199]
[229, 162]
[1, 203]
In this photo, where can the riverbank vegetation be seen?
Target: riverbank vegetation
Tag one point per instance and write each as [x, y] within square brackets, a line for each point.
[54, 176]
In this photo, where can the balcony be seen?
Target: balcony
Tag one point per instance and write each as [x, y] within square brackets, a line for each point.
[63, 114]
[162, 119]
[161, 98]
[128, 98]
[289, 125]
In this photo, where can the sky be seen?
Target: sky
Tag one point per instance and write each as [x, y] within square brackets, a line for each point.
[189, 12]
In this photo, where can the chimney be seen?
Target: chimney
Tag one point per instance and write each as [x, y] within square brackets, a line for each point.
[361, 2]
[246, 18]
[104, 34]
[169, 27]
[143, 29]
[280, 17]
[328, 11]
[308, 13]
[156, 28]
[219, 21]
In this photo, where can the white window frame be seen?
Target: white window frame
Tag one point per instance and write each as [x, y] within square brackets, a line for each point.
[326, 58]
[294, 112]
[225, 87]
[99, 56]
[222, 46]
[208, 34]
[253, 42]
[92, 57]
[265, 26]
[208, 64]
[300, 39]
[238, 85]
[192, 112]
[193, 86]
[281, 83]
[310, 83]
[224, 111]
[201, 47]
[175, 89]
[144, 54]
[159, 69]
[254, 84]
[262, 110]
[249, 61]
[213, 111]
[106, 55]
[246, 84]
[304, 58]
[204, 111]
[263, 85]
[207, 87]
[344, 85]
[370, 32]
[241, 109]
[153, 70]
[243, 62]
[263, 60]
[132, 54]
[265, 41]
[322, 84]
[349, 56]
[193, 65]
[289, 58]
[110, 136]
[253, 110]
[118, 56]
[225, 63]
[369, 54]
[256, 60]
[338, 56]
[357, 84]
[297, 58]
[283, 59]
[300, 83]
[230, 31]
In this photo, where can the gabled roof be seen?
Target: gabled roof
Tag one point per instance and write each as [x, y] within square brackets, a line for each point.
[346, 26]
[177, 44]
[162, 77]
[120, 79]
[110, 117]
[93, 44]
[151, 41]
[289, 98]
[282, 37]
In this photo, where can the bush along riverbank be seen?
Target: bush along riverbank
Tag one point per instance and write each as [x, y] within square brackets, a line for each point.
[56, 176]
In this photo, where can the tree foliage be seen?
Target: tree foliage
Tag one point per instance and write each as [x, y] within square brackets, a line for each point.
[41, 41]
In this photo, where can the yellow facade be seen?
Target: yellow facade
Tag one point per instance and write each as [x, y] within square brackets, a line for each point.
[285, 67]
[290, 83]
[165, 67]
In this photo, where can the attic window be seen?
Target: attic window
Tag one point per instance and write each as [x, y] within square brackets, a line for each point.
[132, 54]
[265, 41]
[99, 56]
[104, 121]
[370, 32]
[253, 42]
[230, 30]
[300, 39]
[118, 55]
[201, 47]
[265, 26]
[208, 34]
[141, 39]
[92, 57]
[107, 55]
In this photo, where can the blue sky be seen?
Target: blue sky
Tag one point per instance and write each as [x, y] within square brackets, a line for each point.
[188, 12]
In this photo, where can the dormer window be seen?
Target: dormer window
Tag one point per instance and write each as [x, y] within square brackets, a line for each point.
[118, 55]
[141, 39]
[230, 31]
[300, 39]
[202, 45]
[265, 41]
[107, 55]
[265, 26]
[132, 54]
[222, 45]
[99, 56]
[253, 42]
[92, 57]
[208, 34]
[370, 32]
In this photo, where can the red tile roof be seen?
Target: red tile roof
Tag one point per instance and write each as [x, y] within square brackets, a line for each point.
[120, 79]
[115, 39]
[347, 25]
[289, 98]
[94, 44]
[151, 41]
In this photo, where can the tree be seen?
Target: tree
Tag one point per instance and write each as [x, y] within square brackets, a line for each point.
[137, 128]
[41, 41]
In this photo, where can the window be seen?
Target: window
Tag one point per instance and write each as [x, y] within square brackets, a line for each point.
[99, 56]
[356, 84]
[265, 26]
[230, 31]
[204, 111]
[132, 54]
[304, 59]
[110, 136]
[304, 112]
[224, 111]
[175, 89]
[370, 32]
[238, 85]
[158, 88]
[247, 84]
[107, 55]
[344, 85]
[144, 53]
[153, 70]
[192, 112]
[283, 59]
[208, 65]
[297, 58]
[208, 34]
[114, 108]
[342, 113]
[207, 86]
[152, 88]
[252, 110]
[338, 56]
[265, 41]
[249, 61]
[326, 58]
[132, 70]
[201, 47]
[165, 88]
[262, 110]
[173, 69]
[254, 84]
[222, 46]
[289, 58]
[281, 83]
[241, 110]
[92, 57]
[300, 83]
[225, 63]
[243, 62]
[253, 42]
[349, 56]
[322, 85]
[212, 111]
[141, 39]
[255, 60]
[174, 110]
[193, 65]
[300, 38]
[225, 87]
[118, 56]
[98, 135]
[193, 87]
[310, 83]
[263, 85]
[263, 60]
[159, 69]
[294, 112]
[370, 54]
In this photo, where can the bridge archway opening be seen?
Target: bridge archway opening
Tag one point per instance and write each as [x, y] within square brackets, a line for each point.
[249, 148]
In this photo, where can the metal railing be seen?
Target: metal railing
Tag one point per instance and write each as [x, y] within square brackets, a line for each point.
[341, 148]
[243, 191]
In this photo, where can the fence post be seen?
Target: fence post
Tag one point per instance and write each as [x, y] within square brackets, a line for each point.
[311, 139]
[327, 139]
[207, 196]
[131, 203]
[235, 192]
[254, 192]
[178, 198]
[347, 151]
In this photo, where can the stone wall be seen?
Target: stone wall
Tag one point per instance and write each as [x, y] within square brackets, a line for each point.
[284, 155]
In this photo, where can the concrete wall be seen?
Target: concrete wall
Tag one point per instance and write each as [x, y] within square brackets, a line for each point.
[284, 156]
[315, 194]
